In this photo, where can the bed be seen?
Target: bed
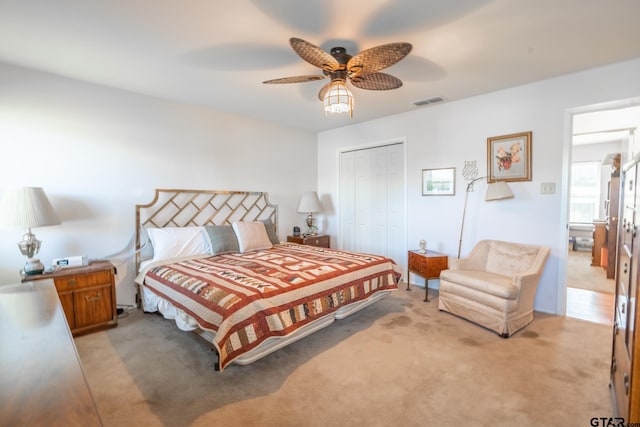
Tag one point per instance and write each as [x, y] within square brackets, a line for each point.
[212, 262]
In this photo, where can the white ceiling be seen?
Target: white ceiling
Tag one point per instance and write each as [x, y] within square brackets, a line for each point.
[217, 54]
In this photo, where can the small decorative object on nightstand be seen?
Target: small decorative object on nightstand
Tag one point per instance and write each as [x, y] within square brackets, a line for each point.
[423, 246]
[87, 294]
[428, 265]
[322, 241]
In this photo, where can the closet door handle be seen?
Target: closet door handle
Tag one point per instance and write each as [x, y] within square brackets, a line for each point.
[624, 269]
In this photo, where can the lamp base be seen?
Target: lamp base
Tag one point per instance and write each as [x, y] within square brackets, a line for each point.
[312, 230]
[33, 267]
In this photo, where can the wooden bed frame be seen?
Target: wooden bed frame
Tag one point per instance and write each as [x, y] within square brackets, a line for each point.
[181, 208]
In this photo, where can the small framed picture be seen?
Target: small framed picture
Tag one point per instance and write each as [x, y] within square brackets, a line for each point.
[509, 157]
[439, 182]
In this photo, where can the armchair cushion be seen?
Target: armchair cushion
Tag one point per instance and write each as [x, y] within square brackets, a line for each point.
[484, 281]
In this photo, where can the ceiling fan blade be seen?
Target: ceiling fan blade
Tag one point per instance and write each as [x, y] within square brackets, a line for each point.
[377, 58]
[314, 55]
[323, 91]
[295, 79]
[377, 81]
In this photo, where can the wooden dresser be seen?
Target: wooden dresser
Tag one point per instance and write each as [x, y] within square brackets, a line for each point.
[41, 379]
[87, 294]
[625, 360]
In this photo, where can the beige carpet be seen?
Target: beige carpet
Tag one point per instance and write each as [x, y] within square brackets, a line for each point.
[398, 362]
[582, 275]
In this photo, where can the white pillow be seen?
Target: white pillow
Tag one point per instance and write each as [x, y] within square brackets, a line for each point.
[176, 242]
[252, 236]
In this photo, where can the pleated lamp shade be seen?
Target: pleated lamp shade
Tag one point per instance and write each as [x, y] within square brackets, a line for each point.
[497, 191]
[27, 207]
[309, 202]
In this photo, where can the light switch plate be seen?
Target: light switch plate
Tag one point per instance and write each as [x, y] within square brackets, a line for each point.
[548, 188]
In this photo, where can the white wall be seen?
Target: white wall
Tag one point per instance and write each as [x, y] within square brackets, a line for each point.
[446, 135]
[99, 151]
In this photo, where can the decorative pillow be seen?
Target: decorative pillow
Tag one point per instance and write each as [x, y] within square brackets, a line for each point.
[252, 236]
[271, 231]
[223, 239]
[176, 242]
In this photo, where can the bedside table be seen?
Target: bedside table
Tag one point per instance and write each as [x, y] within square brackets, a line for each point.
[321, 240]
[87, 294]
[428, 265]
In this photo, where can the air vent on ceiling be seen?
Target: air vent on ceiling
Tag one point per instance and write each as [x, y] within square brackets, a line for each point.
[427, 101]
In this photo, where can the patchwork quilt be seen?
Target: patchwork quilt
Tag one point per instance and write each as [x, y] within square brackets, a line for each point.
[247, 298]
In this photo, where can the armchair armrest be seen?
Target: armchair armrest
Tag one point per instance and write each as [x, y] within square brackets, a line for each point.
[527, 285]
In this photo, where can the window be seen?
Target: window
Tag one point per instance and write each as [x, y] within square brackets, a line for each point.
[585, 192]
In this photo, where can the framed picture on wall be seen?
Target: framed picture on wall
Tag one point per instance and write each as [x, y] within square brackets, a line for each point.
[509, 157]
[439, 182]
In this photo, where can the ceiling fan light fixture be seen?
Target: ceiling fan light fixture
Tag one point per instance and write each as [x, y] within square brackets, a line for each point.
[338, 99]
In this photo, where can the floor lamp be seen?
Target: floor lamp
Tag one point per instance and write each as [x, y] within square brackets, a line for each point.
[495, 191]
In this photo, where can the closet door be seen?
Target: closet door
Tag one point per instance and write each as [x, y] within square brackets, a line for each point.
[347, 207]
[372, 204]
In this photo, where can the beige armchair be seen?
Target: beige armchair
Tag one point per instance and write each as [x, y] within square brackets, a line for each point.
[494, 286]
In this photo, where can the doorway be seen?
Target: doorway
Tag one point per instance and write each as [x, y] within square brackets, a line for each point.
[602, 141]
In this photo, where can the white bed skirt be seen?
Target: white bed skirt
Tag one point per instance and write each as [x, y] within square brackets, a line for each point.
[152, 303]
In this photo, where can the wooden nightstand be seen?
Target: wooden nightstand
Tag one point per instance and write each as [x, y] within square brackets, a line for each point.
[322, 241]
[87, 294]
[428, 265]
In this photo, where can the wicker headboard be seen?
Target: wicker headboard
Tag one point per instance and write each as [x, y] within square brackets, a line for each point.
[183, 208]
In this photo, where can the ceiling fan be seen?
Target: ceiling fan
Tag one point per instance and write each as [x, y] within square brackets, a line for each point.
[361, 70]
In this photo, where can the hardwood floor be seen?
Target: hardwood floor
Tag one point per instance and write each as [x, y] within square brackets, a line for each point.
[590, 305]
[589, 293]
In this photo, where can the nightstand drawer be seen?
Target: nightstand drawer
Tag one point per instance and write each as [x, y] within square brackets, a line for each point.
[427, 265]
[322, 241]
[81, 281]
[418, 264]
[93, 306]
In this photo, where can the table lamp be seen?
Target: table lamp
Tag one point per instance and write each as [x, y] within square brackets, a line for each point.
[28, 207]
[309, 203]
